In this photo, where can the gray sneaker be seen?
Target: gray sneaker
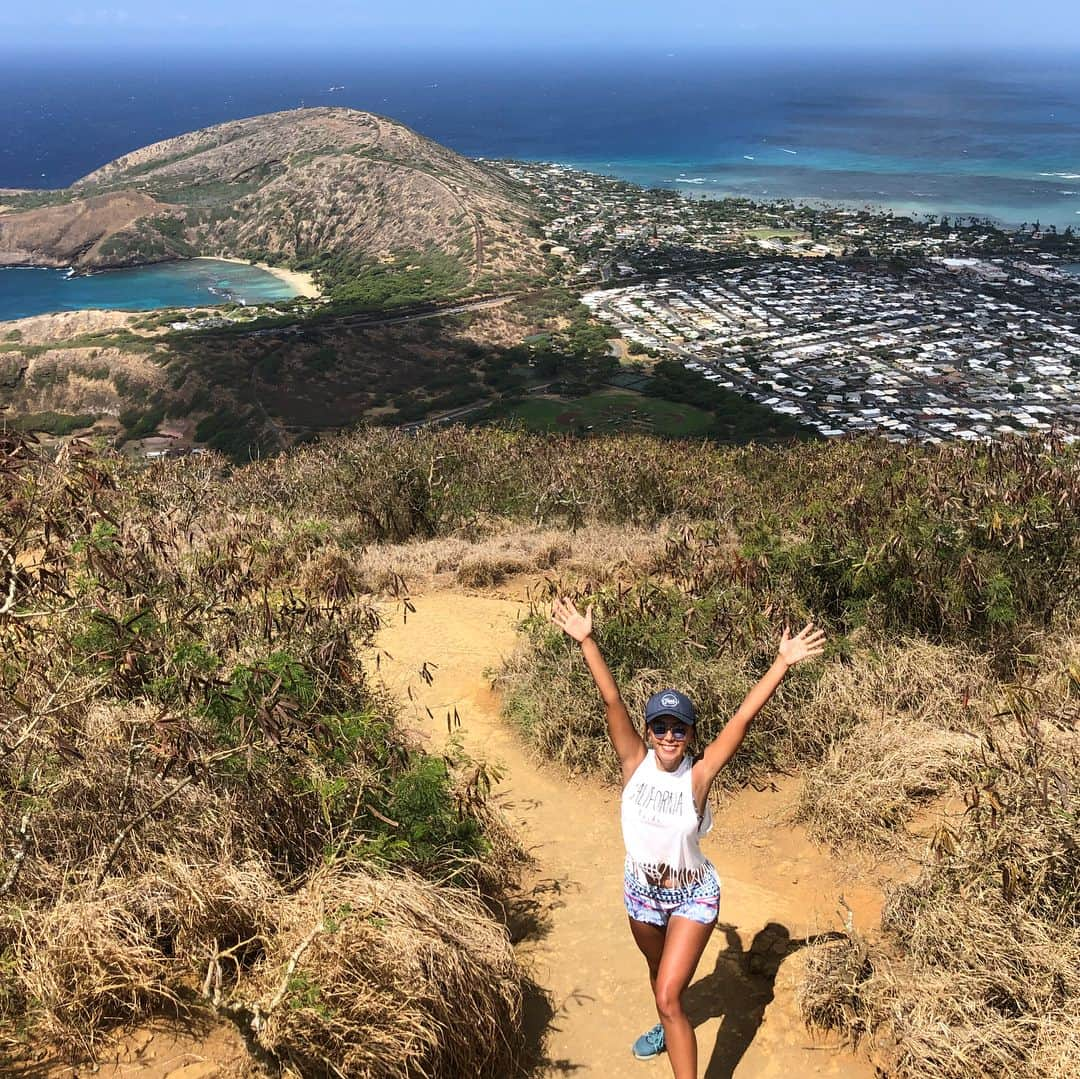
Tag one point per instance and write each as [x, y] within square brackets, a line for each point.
[650, 1044]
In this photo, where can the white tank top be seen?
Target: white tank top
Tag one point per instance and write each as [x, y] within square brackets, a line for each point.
[660, 825]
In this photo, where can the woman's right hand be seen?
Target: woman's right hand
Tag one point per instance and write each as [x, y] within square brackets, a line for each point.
[571, 621]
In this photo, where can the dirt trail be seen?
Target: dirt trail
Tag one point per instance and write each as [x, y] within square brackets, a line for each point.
[778, 888]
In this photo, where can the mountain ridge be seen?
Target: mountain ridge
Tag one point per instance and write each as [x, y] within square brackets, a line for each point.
[310, 188]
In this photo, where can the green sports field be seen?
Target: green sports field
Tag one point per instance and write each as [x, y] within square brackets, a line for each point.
[606, 411]
[774, 234]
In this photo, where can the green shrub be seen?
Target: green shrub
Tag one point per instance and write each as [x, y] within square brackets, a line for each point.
[53, 423]
[139, 424]
[979, 545]
[354, 283]
[711, 646]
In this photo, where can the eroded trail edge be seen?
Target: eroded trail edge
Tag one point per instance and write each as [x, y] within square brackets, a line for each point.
[779, 890]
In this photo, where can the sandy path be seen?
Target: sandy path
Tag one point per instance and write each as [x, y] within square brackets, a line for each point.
[747, 1022]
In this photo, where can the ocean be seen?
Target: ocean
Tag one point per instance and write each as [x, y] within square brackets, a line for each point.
[989, 135]
[196, 283]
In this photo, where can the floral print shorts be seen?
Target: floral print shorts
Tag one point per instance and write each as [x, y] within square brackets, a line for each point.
[649, 903]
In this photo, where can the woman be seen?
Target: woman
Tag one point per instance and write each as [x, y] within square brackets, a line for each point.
[672, 892]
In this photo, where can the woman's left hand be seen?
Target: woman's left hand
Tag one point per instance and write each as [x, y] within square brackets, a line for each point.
[571, 621]
[806, 644]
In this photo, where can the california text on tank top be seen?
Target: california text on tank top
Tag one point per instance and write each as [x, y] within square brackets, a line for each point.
[660, 825]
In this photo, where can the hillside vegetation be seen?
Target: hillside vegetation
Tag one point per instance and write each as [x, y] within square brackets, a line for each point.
[206, 802]
[248, 393]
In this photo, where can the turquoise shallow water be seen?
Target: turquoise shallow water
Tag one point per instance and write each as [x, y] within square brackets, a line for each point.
[198, 283]
[957, 187]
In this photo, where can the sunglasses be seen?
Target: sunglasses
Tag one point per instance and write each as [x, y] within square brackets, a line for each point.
[678, 731]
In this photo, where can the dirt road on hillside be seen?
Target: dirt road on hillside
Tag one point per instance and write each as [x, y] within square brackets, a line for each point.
[778, 889]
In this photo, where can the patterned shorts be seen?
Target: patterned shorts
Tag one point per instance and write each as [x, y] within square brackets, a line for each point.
[700, 902]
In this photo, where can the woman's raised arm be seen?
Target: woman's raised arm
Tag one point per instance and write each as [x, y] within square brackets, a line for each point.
[807, 643]
[628, 744]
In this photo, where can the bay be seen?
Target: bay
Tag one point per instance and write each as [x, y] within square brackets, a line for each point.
[195, 283]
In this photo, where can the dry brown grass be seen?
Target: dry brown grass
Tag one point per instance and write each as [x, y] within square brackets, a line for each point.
[330, 562]
[895, 727]
[55, 380]
[333, 573]
[78, 963]
[596, 552]
[829, 993]
[80, 829]
[979, 972]
[486, 572]
[188, 736]
[64, 325]
[1053, 683]
[191, 899]
[872, 783]
[1001, 1004]
[505, 325]
[375, 976]
[951, 687]
[125, 949]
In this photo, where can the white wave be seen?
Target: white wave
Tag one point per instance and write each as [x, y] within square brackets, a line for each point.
[1062, 175]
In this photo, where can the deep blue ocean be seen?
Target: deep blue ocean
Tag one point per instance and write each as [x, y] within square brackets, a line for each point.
[995, 135]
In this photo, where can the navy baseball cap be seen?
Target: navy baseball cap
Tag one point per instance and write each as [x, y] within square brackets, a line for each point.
[670, 702]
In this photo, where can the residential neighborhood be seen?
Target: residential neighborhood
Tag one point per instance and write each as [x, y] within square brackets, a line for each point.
[847, 320]
[928, 355]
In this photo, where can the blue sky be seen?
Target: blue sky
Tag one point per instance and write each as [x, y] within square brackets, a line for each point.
[546, 24]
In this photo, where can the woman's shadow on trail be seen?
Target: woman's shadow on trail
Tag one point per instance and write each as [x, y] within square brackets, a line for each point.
[738, 990]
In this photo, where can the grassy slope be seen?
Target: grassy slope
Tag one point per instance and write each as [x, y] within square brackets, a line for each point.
[199, 775]
[947, 577]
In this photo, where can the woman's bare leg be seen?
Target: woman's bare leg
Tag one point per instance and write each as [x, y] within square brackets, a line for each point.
[650, 941]
[685, 941]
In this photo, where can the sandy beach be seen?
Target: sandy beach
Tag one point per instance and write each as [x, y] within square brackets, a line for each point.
[303, 283]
